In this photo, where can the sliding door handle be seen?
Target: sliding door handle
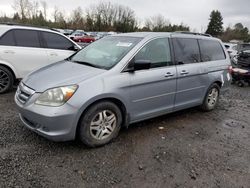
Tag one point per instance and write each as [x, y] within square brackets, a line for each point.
[184, 72]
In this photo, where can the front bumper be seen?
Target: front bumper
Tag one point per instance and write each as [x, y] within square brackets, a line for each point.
[53, 123]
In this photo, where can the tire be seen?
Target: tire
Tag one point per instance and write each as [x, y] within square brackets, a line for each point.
[211, 99]
[6, 80]
[100, 124]
[241, 84]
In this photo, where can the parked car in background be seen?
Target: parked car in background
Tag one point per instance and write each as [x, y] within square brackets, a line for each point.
[25, 49]
[63, 31]
[231, 49]
[84, 38]
[76, 33]
[68, 31]
[58, 30]
[243, 47]
[122, 79]
[235, 49]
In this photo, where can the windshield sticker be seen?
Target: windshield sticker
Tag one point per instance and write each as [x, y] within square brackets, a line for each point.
[124, 44]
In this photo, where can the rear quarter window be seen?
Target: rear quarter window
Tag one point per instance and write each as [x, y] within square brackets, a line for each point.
[56, 41]
[211, 50]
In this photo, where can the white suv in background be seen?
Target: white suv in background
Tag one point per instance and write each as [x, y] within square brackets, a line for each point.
[25, 49]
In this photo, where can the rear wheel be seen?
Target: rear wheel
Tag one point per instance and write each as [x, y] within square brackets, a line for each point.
[100, 124]
[6, 80]
[211, 98]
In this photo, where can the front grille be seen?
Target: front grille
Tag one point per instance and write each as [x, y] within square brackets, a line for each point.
[24, 93]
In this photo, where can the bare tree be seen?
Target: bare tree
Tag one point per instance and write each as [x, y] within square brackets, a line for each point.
[23, 7]
[55, 14]
[44, 9]
[156, 22]
[34, 9]
[59, 18]
[106, 17]
[107, 12]
[125, 20]
[77, 20]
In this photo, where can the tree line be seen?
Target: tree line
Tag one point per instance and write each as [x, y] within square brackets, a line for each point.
[107, 16]
[215, 28]
[104, 16]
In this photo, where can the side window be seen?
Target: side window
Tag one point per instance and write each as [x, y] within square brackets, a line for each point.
[211, 50]
[8, 39]
[56, 41]
[157, 51]
[227, 46]
[186, 50]
[27, 38]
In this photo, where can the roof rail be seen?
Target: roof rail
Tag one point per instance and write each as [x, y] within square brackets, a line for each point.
[193, 33]
[24, 25]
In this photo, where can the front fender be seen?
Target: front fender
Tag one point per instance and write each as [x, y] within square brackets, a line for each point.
[106, 96]
[101, 97]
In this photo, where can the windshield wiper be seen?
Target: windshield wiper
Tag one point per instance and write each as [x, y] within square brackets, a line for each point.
[88, 64]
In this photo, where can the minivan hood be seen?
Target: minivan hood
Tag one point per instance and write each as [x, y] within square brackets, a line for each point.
[60, 74]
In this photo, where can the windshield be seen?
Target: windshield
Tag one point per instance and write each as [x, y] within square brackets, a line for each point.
[105, 53]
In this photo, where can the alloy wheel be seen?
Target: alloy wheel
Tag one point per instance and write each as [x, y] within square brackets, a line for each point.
[212, 97]
[103, 124]
[4, 80]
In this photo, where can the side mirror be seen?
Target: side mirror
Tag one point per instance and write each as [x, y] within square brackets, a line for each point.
[141, 65]
[76, 48]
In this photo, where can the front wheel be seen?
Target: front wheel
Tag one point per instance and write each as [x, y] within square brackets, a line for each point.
[211, 99]
[100, 124]
[6, 80]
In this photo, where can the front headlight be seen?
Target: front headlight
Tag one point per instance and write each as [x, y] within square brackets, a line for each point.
[56, 96]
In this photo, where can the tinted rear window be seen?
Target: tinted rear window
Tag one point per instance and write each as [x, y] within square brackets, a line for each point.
[211, 50]
[27, 38]
[186, 50]
[8, 39]
[56, 41]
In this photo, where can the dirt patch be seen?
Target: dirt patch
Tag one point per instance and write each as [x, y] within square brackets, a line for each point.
[184, 149]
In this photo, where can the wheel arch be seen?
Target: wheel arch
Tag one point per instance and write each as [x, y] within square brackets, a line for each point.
[11, 69]
[119, 103]
[219, 83]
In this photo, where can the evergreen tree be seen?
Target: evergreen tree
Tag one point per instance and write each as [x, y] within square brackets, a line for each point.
[215, 27]
[16, 17]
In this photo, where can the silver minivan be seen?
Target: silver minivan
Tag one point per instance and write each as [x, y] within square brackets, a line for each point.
[122, 79]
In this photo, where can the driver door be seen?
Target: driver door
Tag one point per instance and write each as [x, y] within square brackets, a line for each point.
[152, 91]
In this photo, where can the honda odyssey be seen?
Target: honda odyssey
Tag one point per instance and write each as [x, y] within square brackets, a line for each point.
[122, 79]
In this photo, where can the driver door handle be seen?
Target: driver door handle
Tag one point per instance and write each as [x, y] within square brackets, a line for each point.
[169, 74]
[9, 52]
[53, 54]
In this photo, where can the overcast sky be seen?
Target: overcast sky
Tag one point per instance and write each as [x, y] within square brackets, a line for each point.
[194, 13]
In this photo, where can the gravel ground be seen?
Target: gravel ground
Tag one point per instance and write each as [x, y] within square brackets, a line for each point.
[184, 149]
